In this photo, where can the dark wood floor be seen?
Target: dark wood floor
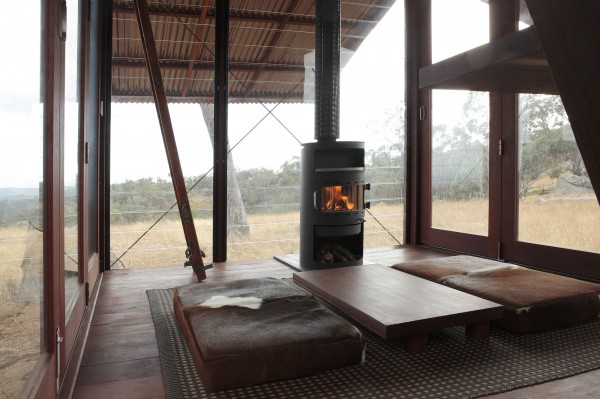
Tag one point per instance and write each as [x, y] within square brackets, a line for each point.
[121, 355]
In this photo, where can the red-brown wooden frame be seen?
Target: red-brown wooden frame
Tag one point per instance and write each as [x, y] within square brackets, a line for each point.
[502, 240]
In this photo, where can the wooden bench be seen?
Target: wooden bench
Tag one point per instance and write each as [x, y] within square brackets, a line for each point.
[393, 304]
[252, 331]
[533, 300]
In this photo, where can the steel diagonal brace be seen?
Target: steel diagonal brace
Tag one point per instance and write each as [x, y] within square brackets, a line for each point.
[193, 252]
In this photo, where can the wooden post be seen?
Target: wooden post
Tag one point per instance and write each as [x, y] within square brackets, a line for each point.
[220, 145]
[193, 252]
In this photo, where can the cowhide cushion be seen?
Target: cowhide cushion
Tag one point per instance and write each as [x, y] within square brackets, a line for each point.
[533, 300]
[253, 331]
[440, 268]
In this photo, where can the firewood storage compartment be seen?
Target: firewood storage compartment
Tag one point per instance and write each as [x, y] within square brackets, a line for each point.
[332, 206]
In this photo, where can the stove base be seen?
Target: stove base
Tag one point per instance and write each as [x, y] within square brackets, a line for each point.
[293, 261]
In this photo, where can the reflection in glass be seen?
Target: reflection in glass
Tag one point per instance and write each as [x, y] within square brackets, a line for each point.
[21, 199]
[71, 151]
[460, 161]
[557, 204]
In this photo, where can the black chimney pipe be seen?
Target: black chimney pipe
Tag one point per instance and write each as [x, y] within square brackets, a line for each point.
[327, 70]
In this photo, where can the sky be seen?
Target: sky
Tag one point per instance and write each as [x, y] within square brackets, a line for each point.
[372, 86]
[20, 110]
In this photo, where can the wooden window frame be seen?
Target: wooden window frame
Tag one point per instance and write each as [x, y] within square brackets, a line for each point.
[502, 240]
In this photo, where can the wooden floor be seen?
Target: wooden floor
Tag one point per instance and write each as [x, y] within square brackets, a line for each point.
[121, 355]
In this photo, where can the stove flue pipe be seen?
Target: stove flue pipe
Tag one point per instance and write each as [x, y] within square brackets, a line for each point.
[327, 70]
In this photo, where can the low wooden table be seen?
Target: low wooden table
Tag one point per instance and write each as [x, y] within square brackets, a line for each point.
[394, 304]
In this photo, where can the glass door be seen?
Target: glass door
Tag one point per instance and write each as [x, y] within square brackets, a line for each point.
[42, 290]
[23, 329]
[455, 157]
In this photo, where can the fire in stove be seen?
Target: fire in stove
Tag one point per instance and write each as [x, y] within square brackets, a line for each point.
[335, 200]
[340, 198]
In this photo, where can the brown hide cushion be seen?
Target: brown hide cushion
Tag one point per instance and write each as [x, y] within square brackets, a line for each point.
[439, 268]
[533, 300]
[288, 334]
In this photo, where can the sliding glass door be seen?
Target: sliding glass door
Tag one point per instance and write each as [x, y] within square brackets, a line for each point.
[42, 180]
[22, 275]
[501, 174]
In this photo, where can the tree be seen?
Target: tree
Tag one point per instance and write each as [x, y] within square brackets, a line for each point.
[460, 169]
[385, 165]
[237, 220]
[547, 143]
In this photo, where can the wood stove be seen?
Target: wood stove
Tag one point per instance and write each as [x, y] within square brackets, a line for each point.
[332, 204]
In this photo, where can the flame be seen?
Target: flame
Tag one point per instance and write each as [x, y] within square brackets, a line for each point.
[335, 200]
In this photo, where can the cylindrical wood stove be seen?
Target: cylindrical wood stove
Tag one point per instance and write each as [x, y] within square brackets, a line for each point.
[332, 204]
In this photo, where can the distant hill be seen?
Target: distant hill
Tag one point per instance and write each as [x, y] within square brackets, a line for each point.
[18, 205]
[26, 192]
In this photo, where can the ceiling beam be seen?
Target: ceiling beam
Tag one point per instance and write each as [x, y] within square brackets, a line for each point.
[197, 98]
[569, 32]
[137, 63]
[240, 15]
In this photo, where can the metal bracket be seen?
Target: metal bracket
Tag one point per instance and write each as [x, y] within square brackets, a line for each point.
[62, 21]
[59, 340]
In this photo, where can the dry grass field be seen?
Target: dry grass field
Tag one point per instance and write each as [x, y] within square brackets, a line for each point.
[20, 290]
[567, 222]
[270, 234]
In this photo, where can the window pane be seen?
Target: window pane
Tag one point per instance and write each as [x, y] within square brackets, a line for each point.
[71, 152]
[524, 17]
[458, 26]
[267, 159]
[265, 136]
[372, 110]
[557, 205]
[459, 161]
[145, 226]
[21, 202]
[269, 119]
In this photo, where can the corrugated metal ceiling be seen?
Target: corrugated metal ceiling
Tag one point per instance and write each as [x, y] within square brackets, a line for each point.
[268, 42]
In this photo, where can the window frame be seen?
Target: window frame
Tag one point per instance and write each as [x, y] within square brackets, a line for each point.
[502, 240]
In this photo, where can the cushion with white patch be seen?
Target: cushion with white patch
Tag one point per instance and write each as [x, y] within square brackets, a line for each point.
[249, 290]
[533, 300]
[440, 268]
[257, 330]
